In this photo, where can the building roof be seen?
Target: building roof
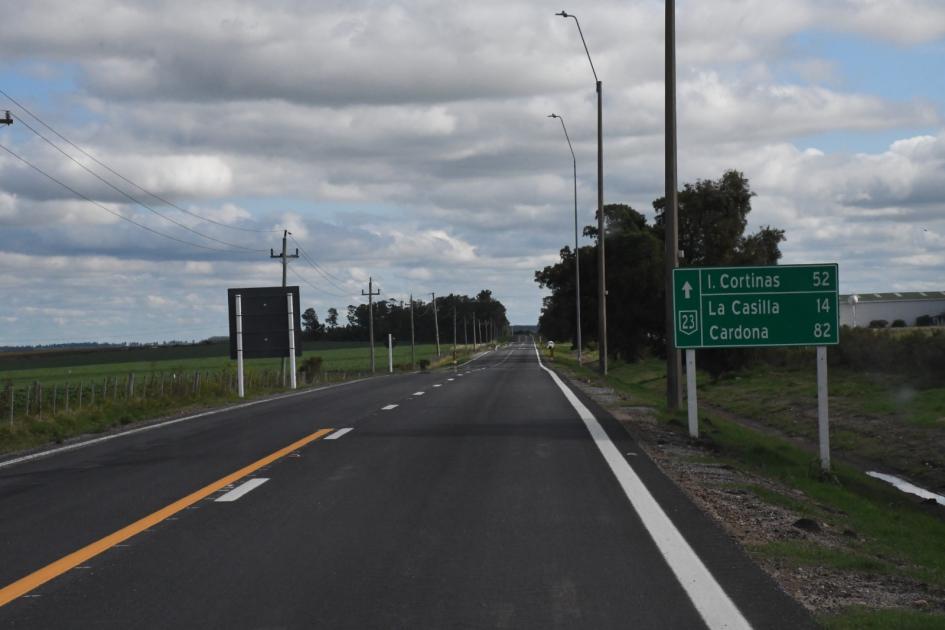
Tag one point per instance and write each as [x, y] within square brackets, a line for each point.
[899, 296]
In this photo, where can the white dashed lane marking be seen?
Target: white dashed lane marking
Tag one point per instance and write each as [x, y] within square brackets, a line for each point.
[389, 407]
[437, 385]
[242, 489]
[417, 394]
[339, 433]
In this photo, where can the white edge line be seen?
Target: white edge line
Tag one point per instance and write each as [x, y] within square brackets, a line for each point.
[339, 433]
[707, 595]
[241, 490]
[389, 407]
[166, 423]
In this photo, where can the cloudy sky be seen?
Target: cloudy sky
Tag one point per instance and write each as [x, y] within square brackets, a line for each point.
[408, 141]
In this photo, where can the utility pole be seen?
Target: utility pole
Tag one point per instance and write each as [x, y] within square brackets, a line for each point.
[671, 213]
[284, 256]
[285, 262]
[371, 293]
[413, 351]
[465, 333]
[436, 323]
[7, 119]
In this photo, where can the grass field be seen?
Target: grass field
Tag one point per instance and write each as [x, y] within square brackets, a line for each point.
[71, 368]
[895, 535]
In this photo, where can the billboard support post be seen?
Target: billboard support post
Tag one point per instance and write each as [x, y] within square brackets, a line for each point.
[292, 382]
[239, 346]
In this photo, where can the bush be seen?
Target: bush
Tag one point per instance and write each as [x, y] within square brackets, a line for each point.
[310, 367]
[923, 320]
[915, 354]
[899, 323]
[424, 364]
[879, 323]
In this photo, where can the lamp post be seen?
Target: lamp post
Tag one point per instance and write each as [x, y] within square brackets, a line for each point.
[601, 276]
[577, 256]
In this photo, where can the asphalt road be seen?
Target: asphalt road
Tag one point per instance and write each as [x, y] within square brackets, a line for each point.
[481, 498]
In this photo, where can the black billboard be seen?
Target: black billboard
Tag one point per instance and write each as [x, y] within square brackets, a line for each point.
[265, 313]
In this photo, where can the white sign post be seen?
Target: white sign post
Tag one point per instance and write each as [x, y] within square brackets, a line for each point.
[691, 393]
[291, 341]
[823, 425]
[239, 347]
[390, 353]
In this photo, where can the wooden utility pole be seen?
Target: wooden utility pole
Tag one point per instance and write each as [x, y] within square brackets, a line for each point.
[371, 293]
[285, 263]
[436, 323]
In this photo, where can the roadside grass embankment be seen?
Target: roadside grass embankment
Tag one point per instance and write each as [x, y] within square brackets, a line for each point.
[43, 405]
[876, 531]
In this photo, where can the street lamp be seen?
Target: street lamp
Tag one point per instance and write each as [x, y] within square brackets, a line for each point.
[601, 282]
[577, 257]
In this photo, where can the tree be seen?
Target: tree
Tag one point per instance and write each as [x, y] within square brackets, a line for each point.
[712, 223]
[332, 320]
[310, 326]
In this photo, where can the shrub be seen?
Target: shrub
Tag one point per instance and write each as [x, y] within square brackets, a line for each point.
[879, 323]
[424, 364]
[310, 367]
[899, 323]
[923, 320]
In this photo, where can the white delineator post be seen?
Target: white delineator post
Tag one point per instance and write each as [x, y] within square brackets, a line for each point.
[823, 424]
[239, 347]
[291, 341]
[691, 393]
[390, 353]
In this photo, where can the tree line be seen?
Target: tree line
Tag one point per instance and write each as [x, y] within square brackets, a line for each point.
[713, 219]
[483, 311]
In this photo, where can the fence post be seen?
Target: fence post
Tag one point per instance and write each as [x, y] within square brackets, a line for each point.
[80, 395]
[196, 381]
[131, 386]
[12, 397]
[162, 384]
[92, 401]
[55, 395]
[115, 387]
[67, 397]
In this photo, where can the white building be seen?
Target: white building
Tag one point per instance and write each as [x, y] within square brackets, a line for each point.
[861, 308]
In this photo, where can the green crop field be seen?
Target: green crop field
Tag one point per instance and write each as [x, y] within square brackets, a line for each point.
[74, 367]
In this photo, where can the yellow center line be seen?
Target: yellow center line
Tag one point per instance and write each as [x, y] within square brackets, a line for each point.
[39, 577]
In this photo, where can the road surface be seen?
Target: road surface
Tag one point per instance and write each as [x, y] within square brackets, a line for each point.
[486, 497]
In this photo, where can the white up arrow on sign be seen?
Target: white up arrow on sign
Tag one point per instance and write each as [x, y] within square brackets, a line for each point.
[687, 289]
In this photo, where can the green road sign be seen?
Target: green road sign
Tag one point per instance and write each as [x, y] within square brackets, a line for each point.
[740, 307]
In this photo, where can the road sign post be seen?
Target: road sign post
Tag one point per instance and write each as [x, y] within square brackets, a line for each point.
[748, 307]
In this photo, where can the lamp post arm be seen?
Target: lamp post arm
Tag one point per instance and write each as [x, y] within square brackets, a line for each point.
[581, 33]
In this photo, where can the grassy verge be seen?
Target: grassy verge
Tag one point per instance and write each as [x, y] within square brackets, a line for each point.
[886, 531]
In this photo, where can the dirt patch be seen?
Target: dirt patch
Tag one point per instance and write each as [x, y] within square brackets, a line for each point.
[726, 495]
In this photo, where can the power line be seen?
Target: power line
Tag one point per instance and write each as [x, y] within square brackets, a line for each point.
[125, 179]
[318, 269]
[312, 286]
[130, 197]
[109, 211]
[335, 280]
